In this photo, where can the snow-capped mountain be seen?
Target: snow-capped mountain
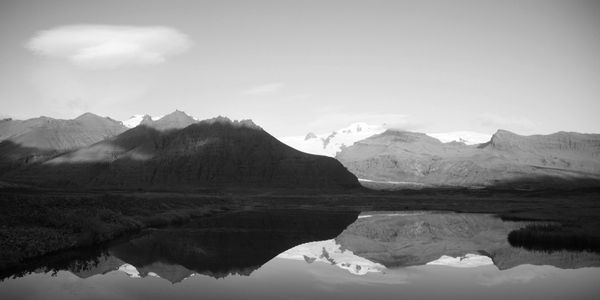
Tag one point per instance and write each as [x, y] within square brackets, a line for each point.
[332, 143]
[330, 252]
[135, 120]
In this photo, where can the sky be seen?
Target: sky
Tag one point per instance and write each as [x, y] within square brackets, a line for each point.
[532, 67]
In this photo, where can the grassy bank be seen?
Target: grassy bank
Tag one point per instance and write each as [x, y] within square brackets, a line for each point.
[35, 224]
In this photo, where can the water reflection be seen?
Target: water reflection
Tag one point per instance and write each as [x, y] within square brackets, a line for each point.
[283, 251]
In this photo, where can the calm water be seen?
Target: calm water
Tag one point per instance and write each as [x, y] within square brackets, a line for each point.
[295, 254]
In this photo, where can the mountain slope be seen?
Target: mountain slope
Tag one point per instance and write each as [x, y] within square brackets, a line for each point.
[507, 158]
[207, 154]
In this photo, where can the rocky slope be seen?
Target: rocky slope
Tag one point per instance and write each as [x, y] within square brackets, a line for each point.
[207, 154]
[507, 159]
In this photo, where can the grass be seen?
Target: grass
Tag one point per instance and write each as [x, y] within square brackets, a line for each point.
[35, 224]
[554, 237]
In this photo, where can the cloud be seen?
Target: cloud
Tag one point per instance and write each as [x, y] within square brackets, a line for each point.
[331, 121]
[106, 46]
[264, 89]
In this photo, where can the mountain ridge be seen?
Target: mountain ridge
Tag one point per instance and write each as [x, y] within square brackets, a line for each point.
[402, 156]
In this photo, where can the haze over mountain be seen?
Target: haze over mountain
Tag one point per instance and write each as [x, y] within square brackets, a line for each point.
[409, 157]
[178, 152]
[32, 140]
[56, 134]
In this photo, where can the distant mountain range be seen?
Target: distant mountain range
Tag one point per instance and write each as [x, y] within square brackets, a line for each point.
[174, 152]
[507, 159]
[177, 151]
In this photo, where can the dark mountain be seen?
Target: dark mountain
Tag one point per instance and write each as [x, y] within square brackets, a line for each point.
[507, 159]
[207, 154]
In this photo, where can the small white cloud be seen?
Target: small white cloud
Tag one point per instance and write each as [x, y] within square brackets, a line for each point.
[105, 46]
[264, 89]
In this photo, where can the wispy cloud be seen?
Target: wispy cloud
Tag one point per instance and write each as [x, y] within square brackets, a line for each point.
[514, 123]
[332, 121]
[264, 89]
[106, 46]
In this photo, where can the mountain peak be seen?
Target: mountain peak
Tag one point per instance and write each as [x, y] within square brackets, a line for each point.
[91, 119]
[87, 115]
[225, 120]
[178, 113]
[504, 138]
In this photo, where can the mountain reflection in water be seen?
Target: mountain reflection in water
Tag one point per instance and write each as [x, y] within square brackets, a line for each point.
[327, 246]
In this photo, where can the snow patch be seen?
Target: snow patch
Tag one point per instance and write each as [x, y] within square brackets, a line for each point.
[130, 270]
[330, 144]
[135, 120]
[330, 252]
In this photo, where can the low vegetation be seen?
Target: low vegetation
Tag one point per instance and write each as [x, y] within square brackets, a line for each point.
[554, 237]
[35, 224]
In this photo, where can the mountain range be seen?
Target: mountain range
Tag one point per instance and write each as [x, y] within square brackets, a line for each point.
[178, 151]
[173, 152]
[401, 157]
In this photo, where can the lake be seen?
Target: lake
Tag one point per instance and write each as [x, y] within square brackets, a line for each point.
[307, 254]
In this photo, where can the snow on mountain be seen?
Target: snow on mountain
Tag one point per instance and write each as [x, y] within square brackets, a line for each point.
[329, 251]
[330, 144]
[130, 270]
[467, 137]
[135, 120]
